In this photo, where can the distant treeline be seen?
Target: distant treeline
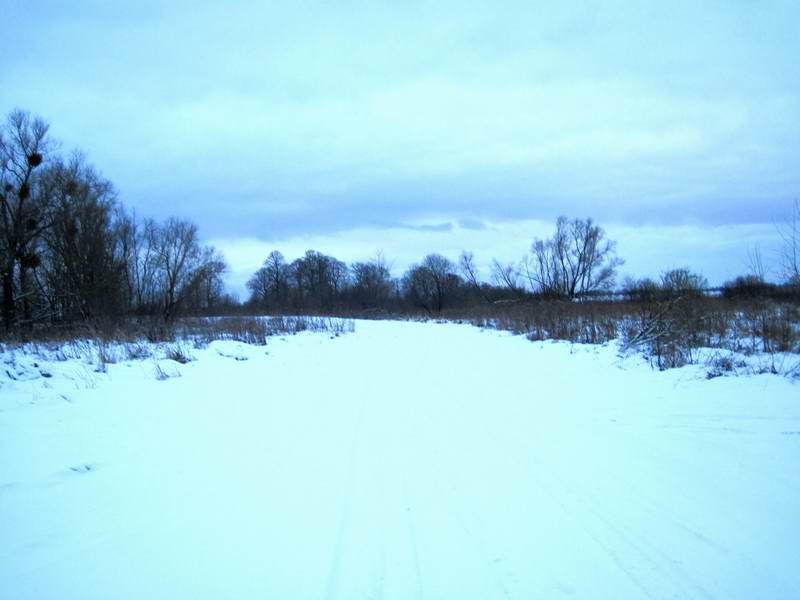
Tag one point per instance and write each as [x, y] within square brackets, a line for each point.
[576, 264]
[320, 284]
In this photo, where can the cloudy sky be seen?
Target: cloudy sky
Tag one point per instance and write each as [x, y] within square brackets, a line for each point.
[411, 127]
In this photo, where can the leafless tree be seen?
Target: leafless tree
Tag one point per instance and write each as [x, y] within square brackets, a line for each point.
[466, 265]
[755, 263]
[641, 290]
[372, 282]
[23, 207]
[178, 253]
[507, 276]
[124, 234]
[83, 270]
[278, 276]
[338, 280]
[790, 248]
[206, 288]
[432, 284]
[577, 260]
[317, 281]
[469, 272]
[259, 286]
[683, 282]
[69, 251]
[269, 285]
[146, 266]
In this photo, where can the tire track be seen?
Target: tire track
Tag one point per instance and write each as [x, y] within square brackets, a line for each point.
[466, 520]
[624, 545]
[412, 536]
[614, 538]
[378, 577]
[331, 587]
[581, 522]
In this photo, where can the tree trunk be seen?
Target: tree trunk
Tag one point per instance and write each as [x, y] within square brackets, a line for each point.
[27, 307]
[8, 299]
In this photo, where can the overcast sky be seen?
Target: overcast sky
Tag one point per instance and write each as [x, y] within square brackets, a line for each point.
[413, 127]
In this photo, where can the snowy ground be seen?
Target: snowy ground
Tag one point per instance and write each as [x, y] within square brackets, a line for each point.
[404, 461]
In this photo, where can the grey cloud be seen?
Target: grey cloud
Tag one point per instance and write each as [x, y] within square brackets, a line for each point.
[275, 120]
[225, 211]
[436, 227]
[472, 223]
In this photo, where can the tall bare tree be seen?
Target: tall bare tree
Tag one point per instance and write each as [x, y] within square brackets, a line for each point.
[84, 271]
[178, 253]
[683, 282]
[790, 248]
[23, 207]
[270, 284]
[206, 288]
[259, 286]
[577, 260]
[508, 276]
[432, 284]
[372, 282]
[469, 272]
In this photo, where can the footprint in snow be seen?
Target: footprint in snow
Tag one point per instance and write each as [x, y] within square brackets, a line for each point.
[82, 468]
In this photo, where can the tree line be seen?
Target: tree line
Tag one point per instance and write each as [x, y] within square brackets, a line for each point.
[577, 263]
[70, 251]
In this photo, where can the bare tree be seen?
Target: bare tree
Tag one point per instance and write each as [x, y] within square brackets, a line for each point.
[469, 272]
[641, 290]
[577, 260]
[206, 288]
[125, 235]
[790, 249]
[269, 285]
[338, 276]
[755, 263]
[259, 286]
[372, 282]
[83, 270]
[507, 276]
[432, 284]
[466, 264]
[137, 242]
[277, 272]
[23, 208]
[297, 278]
[683, 282]
[178, 253]
[419, 288]
[69, 250]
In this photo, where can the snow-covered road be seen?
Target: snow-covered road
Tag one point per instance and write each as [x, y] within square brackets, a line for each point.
[403, 461]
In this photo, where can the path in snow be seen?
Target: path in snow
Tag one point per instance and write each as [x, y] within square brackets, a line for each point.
[403, 461]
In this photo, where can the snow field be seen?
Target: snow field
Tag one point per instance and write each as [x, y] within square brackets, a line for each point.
[405, 460]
